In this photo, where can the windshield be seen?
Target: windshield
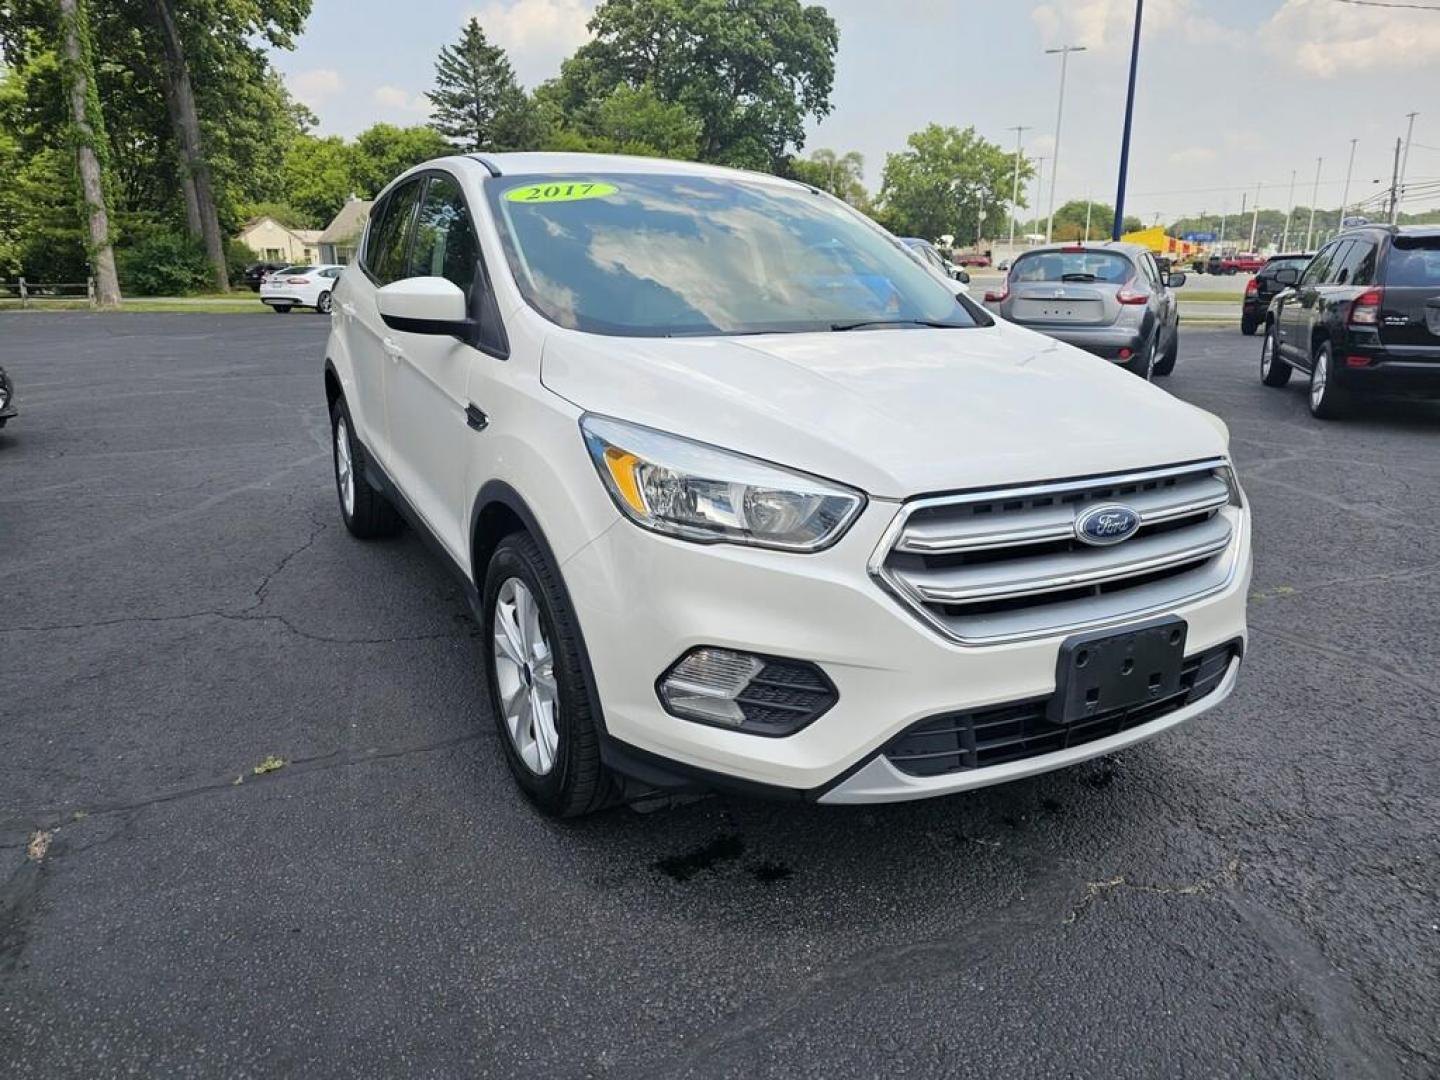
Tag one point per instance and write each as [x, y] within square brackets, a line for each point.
[649, 255]
[1414, 262]
[1101, 266]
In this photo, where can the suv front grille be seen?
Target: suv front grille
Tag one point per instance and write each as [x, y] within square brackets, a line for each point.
[955, 742]
[994, 566]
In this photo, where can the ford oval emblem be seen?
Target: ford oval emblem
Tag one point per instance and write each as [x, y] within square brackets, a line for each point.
[1102, 526]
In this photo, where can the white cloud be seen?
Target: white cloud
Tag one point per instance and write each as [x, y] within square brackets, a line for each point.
[317, 86]
[537, 34]
[1192, 155]
[1327, 39]
[1110, 24]
[394, 99]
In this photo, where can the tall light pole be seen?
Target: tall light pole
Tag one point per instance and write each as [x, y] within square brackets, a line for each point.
[1314, 198]
[1349, 171]
[1015, 188]
[1089, 206]
[1255, 218]
[1404, 164]
[1117, 225]
[1039, 183]
[1064, 51]
[1289, 213]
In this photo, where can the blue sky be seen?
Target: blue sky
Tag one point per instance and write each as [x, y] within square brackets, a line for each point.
[1231, 92]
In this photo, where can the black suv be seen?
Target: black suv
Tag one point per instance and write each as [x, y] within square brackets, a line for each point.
[1263, 287]
[255, 273]
[1364, 318]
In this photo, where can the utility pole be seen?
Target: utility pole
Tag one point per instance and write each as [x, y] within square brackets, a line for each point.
[1224, 213]
[1255, 218]
[1015, 188]
[1118, 224]
[1404, 166]
[1089, 206]
[1243, 196]
[1349, 171]
[1064, 51]
[1289, 213]
[1314, 198]
[1395, 186]
[1039, 185]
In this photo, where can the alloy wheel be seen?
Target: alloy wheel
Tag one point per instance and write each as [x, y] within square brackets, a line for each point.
[525, 676]
[1318, 379]
[1266, 355]
[344, 467]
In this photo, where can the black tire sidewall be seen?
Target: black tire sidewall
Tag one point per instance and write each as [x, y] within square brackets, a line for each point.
[516, 557]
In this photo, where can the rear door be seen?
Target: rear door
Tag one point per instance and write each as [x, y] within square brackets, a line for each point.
[1410, 317]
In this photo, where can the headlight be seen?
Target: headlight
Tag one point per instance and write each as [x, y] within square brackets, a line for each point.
[697, 492]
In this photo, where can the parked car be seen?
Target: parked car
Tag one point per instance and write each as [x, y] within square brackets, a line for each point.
[7, 399]
[256, 273]
[1263, 287]
[977, 259]
[744, 497]
[1363, 319]
[1244, 262]
[958, 278]
[300, 286]
[1109, 299]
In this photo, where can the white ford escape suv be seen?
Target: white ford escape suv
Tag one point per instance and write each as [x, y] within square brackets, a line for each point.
[743, 496]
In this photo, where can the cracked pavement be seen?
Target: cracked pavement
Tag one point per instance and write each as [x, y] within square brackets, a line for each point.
[1257, 894]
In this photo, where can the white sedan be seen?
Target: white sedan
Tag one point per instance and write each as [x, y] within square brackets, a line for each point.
[300, 286]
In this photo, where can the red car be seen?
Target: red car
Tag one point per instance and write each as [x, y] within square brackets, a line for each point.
[971, 258]
[1246, 262]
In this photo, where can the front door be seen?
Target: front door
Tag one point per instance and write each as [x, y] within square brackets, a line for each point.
[429, 378]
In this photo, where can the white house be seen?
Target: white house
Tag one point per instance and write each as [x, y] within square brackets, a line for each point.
[342, 236]
[276, 243]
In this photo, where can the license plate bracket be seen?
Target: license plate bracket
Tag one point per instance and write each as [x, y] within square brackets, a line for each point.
[1104, 671]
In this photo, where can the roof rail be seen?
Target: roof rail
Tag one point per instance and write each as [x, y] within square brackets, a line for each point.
[490, 166]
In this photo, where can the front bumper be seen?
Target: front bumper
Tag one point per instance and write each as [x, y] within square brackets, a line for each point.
[643, 600]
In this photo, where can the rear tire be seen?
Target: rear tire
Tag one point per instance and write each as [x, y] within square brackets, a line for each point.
[1274, 371]
[547, 727]
[1144, 363]
[1166, 365]
[366, 512]
[1327, 400]
[1248, 326]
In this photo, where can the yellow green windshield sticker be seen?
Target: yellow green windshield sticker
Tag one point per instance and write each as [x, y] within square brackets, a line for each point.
[566, 191]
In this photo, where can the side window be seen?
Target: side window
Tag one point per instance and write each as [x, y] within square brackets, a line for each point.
[1360, 263]
[444, 236]
[1336, 274]
[1319, 267]
[1147, 267]
[385, 251]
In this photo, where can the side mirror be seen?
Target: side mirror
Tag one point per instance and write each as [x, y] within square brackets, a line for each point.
[962, 276]
[1176, 280]
[426, 305]
[1287, 275]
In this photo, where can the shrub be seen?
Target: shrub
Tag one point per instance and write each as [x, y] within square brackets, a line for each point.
[163, 262]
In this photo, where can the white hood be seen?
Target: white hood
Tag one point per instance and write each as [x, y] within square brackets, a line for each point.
[895, 413]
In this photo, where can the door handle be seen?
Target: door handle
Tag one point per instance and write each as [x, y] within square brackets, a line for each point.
[348, 309]
[392, 349]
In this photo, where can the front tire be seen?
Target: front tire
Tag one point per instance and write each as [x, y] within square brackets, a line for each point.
[323, 304]
[1274, 370]
[366, 512]
[1327, 400]
[539, 692]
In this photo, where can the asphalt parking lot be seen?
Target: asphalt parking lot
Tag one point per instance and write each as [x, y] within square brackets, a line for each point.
[1257, 894]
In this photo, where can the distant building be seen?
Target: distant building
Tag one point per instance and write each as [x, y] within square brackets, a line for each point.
[275, 243]
[342, 236]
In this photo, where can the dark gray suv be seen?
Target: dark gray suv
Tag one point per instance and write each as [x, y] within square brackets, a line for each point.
[1109, 299]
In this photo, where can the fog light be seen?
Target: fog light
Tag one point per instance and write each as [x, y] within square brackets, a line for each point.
[1357, 361]
[1125, 354]
[763, 695]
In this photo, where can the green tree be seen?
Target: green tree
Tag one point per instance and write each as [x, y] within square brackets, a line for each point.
[384, 151]
[478, 105]
[629, 120]
[839, 174]
[944, 180]
[749, 71]
[316, 176]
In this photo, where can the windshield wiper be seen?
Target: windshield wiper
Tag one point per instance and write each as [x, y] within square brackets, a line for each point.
[840, 327]
[1077, 277]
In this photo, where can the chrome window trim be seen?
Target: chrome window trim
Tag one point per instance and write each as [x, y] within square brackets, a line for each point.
[914, 603]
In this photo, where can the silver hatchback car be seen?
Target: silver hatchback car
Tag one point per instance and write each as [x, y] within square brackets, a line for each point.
[1109, 299]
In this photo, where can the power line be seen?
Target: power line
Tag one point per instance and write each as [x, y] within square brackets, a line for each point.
[1389, 4]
